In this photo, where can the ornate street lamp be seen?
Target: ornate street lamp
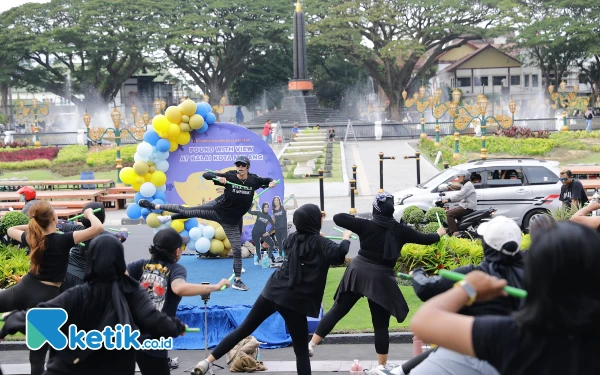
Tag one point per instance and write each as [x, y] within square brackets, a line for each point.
[35, 111]
[566, 100]
[134, 112]
[163, 105]
[156, 106]
[421, 105]
[146, 118]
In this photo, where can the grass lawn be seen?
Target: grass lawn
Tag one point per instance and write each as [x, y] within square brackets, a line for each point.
[46, 174]
[17, 337]
[359, 318]
[336, 169]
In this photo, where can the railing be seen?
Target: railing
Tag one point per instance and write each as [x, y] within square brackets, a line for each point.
[363, 130]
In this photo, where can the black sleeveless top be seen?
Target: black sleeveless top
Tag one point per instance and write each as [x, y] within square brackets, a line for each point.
[280, 216]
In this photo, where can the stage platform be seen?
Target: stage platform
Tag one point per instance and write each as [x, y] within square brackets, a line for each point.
[228, 309]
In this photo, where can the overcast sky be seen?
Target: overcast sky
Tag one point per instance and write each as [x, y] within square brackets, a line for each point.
[7, 4]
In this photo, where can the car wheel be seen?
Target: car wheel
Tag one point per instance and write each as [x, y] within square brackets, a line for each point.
[528, 217]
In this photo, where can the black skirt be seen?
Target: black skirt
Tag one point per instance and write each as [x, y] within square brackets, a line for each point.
[376, 282]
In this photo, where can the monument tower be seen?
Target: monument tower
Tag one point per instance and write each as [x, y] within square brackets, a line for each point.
[300, 81]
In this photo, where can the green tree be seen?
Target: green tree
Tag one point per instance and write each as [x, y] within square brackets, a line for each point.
[266, 75]
[81, 50]
[214, 42]
[399, 40]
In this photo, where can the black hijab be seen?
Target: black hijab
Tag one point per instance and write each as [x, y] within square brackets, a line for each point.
[105, 274]
[383, 215]
[101, 215]
[307, 220]
[504, 266]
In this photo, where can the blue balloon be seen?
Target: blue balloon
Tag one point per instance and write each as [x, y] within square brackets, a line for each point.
[191, 245]
[201, 109]
[161, 195]
[151, 137]
[145, 212]
[190, 223]
[208, 107]
[137, 197]
[163, 145]
[158, 201]
[210, 118]
[203, 128]
[134, 211]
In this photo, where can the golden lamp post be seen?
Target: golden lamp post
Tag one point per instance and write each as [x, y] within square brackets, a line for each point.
[134, 112]
[464, 116]
[566, 100]
[97, 134]
[420, 103]
[146, 118]
[36, 111]
[156, 106]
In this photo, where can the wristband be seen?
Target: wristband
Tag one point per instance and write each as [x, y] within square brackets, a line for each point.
[469, 289]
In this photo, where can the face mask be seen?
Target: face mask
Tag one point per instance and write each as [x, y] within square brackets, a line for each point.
[22, 198]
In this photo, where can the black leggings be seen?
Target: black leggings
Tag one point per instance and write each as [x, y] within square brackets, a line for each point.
[207, 212]
[27, 294]
[151, 365]
[70, 281]
[281, 234]
[379, 316]
[256, 237]
[262, 309]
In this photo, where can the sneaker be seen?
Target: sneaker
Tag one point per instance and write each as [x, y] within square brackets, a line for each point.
[145, 203]
[376, 370]
[173, 363]
[239, 285]
[201, 368]
[164, 219]
[311, 349]
[243, 270]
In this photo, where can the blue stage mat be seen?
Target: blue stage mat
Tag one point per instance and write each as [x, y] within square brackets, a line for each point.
[228, 309]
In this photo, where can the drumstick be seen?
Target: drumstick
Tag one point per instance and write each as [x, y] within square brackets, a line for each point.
[231, 278]
[228, 182]
[455, 276]
[192, 329]
[118, 230]
[264, 191]
[82, 215]
[342, 231]
[404, 276]
[335, 238]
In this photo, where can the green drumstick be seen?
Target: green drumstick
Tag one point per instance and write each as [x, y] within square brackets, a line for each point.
[231, 183]
[192, 329]
[118, 230]
[82, 215]
[455, 276]
[334, 238]
[439, 221]
[264, 191]
[342, 231]
[404, 276]
[231, 278]
[288, 198]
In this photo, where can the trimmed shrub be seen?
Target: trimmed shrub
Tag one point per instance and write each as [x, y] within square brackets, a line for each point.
[430, 227]
[24, 154]
[12, 219]
[431, 216]
[27, 164]
[71, 154]
[413, 215]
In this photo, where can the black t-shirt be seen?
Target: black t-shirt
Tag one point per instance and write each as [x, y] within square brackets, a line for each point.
[236, 201]
[77, 255]
[372, 237]
[55, 257]
[331, 133]
[156, 278]
[574, 191]
[280, 216]
[262, 219]
[513, 350]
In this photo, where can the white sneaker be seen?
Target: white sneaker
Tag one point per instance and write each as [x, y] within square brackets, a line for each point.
[164, 219]
[311, 349]
[376, 370]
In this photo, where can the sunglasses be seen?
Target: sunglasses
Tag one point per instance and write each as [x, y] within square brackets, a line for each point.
[563, 179]
[239, 164]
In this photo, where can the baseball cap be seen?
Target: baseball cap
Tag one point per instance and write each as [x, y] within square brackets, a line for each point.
[167, 239]
[242, 159]
[499, 231]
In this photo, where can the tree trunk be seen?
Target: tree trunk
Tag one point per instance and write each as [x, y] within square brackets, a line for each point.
[4, 101]
[214, 93]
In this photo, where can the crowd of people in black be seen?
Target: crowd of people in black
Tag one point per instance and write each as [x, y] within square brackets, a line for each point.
[475, 326]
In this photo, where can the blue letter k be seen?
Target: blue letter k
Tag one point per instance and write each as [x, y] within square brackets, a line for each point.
[43, 325]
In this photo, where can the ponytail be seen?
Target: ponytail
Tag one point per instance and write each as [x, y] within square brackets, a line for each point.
[41, 215]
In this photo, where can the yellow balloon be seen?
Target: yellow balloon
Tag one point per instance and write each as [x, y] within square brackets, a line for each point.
[174, 130]
[140, 168]
[152, 169]
[152, 220]
[216, 246]
[173, 114]
[140, 180]
[227, 244]
[158, 178]
[174, 146]
[184, 127]
[136, 186]
[147, 177]
[164, 135]
[196, 122]
[188, 108]
[127, 175]
[183, 138]
[177, 225]
[161, 124]
[220, 234]
[185, 118]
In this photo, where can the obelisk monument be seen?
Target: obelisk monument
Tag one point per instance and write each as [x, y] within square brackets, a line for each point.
[300, 82]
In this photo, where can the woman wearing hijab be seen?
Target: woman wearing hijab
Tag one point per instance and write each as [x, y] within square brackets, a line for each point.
[295, 290]
[107, 298]
[502, 259]
[280, 217]
[556, 331]
[76, 268]
[259, 230]
[371, 273]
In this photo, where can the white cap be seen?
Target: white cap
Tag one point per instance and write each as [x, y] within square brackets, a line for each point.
[500, 231]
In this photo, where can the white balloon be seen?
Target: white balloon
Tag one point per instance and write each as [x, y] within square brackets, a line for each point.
[137, 157]
[163, 155]
[161, 188]
[203, 245]
[162, 165]
[144, 149]
[195, 234]
[208, 232]
[148, 189]
[191, 245]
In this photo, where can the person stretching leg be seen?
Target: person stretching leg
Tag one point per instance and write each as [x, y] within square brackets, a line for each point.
[228, 209]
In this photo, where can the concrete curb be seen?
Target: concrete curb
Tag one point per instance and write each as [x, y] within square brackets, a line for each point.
[342, 339]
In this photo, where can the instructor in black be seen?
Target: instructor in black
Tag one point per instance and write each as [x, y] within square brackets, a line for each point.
[228, 209]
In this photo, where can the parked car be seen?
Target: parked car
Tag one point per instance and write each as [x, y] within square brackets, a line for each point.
[535, 190]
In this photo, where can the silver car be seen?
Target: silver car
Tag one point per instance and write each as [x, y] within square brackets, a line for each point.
[517, 188]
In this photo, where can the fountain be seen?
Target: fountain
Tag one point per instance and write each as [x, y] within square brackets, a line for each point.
[308, 143]
[294, 148]
[304, 160]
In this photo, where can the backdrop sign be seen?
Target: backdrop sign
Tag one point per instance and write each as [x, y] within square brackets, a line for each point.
[217, 149]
